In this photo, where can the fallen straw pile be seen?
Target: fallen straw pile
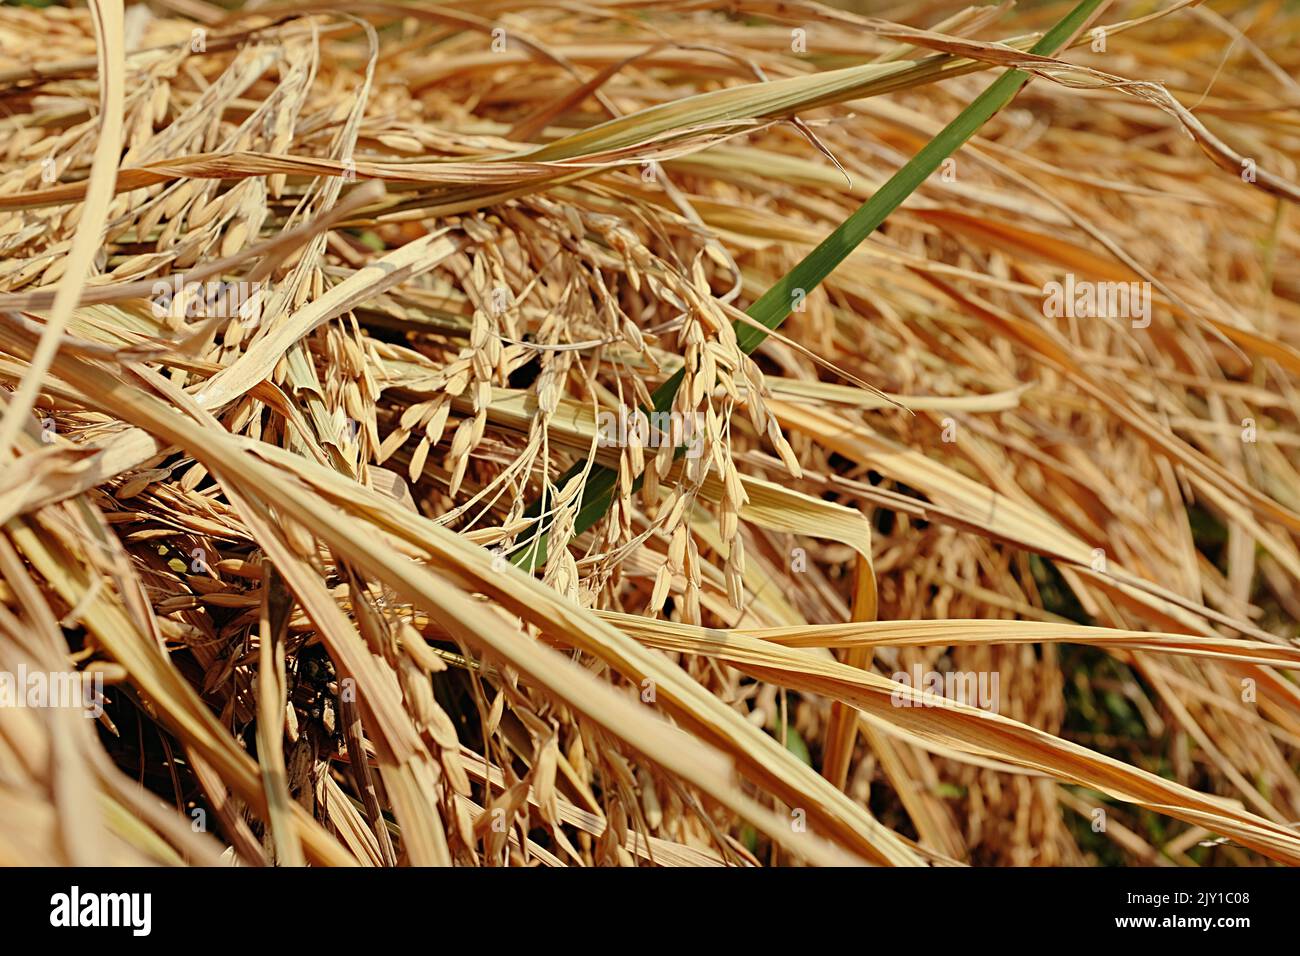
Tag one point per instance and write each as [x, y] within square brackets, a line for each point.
[323, 331]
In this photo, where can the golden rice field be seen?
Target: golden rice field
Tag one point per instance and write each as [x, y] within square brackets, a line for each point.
[650, 433]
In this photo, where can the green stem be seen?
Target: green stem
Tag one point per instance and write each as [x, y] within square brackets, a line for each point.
[772, 308]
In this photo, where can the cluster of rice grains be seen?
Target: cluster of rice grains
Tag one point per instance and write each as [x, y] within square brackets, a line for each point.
[405, 489]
